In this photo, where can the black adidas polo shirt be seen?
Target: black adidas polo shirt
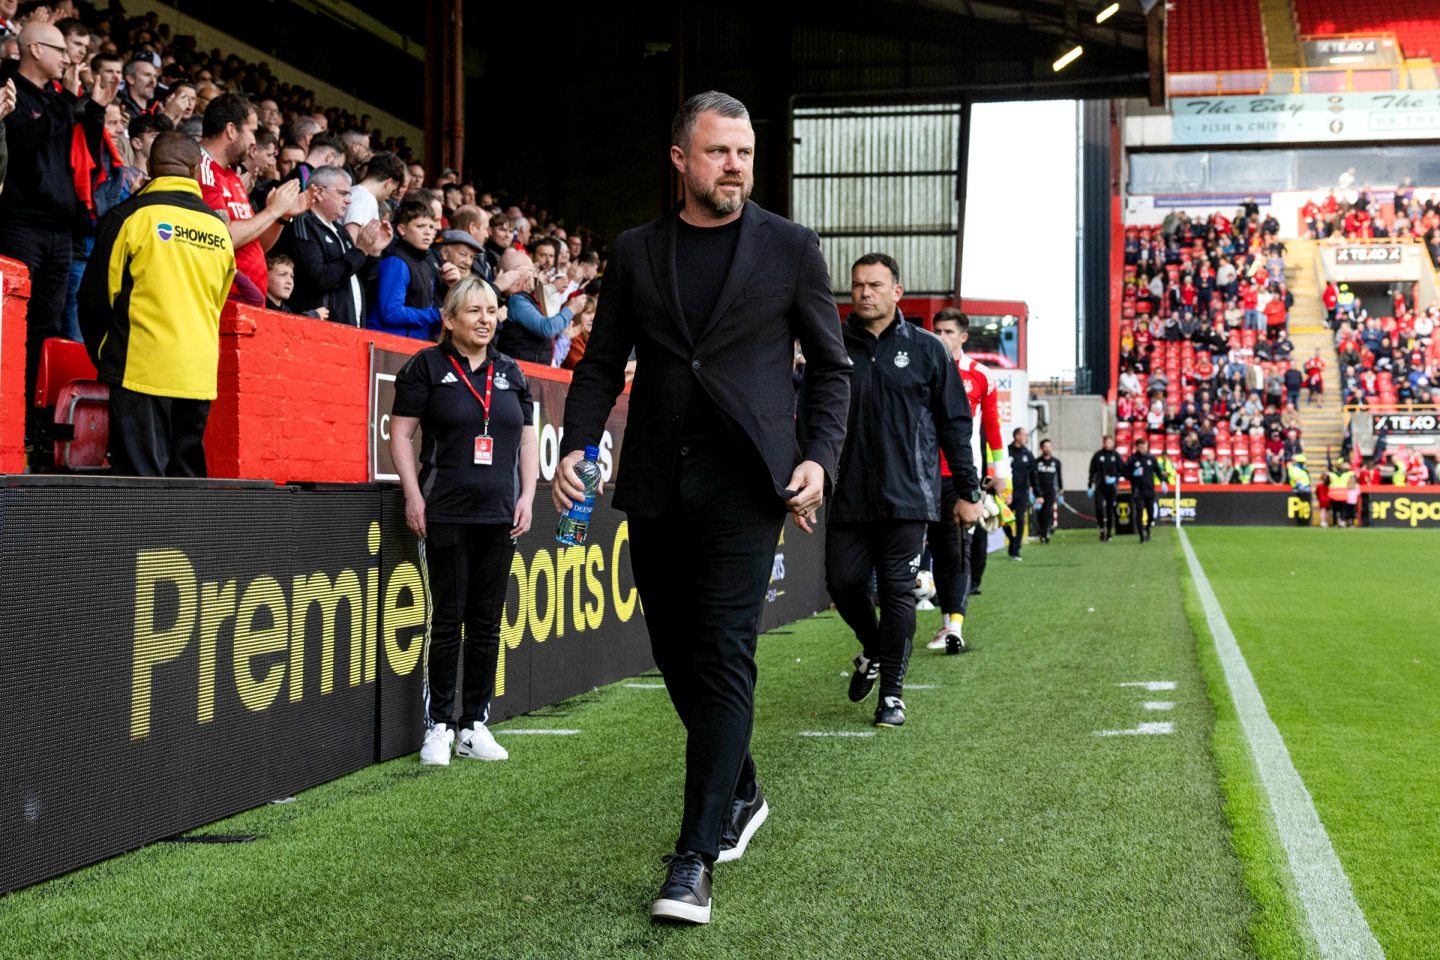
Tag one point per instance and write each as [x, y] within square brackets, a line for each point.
[456, 489]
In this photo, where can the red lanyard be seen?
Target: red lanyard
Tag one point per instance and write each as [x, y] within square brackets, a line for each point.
[489, 380]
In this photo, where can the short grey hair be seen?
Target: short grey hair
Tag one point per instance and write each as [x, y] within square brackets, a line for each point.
[330, 177]
[711, 101]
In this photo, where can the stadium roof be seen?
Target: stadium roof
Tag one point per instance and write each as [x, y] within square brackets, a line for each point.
[1016, 42]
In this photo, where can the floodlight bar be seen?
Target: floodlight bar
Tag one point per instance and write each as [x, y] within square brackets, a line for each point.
[1107, 13]
[1068, 58]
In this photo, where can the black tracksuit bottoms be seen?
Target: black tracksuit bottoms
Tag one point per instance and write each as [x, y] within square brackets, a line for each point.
[949, 550]
[154, 436]
[1107, 498]
[468, 566]
[890, 550]
[702, 568]
[1045, 511]
[1142, 512]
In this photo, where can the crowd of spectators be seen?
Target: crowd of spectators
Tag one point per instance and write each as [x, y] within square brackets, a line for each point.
[1206, 366]
[1370, 216]
[327, 216]
[1387, 360]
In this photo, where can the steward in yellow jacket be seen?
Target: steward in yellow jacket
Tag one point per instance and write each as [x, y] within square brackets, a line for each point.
[149, 308]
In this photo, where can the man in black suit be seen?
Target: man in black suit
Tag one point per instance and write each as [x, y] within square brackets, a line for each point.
[711, 297]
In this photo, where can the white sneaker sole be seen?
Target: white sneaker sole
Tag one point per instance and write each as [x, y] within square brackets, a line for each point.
[445, 762]
[680, 911]
[937, 644]
[468, 755]
[738, 851]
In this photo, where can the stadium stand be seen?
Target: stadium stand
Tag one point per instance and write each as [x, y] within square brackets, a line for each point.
[1415, 23]
[68, 404]
[1211, 35]
[1205, 359]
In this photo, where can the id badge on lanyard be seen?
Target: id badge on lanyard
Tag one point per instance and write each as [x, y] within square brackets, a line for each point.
[484, 444]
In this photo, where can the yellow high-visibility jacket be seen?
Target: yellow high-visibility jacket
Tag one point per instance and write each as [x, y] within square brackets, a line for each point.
[151, 297]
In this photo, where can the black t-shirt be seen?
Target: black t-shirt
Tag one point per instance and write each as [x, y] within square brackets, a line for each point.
[702, 262]
[456, 489]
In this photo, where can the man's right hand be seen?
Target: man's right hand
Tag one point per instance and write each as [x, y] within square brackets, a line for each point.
[566, 489]
[7, 98]
[967, 513]
[282, 197]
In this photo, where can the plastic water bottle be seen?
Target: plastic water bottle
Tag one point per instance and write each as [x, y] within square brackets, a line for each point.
[575, 522]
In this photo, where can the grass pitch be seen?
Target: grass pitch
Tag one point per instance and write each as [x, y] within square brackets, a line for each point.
[995, 824]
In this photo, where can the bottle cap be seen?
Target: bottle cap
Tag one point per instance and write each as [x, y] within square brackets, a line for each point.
[592, 453]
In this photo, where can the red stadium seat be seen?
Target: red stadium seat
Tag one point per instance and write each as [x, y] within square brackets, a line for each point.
[61, 361]
[1212, 35]
[79, 424]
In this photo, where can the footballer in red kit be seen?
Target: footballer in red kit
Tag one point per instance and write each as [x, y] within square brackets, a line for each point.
[960, 555]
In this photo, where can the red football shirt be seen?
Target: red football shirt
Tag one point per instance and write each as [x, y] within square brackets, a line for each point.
[984, 409]
[222, 190]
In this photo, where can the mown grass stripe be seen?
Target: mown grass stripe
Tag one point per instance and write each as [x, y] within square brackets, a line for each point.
[1336, 920]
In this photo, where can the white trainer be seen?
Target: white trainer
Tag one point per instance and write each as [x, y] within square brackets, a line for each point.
[938, 643]
[478, 743]
[435, 751]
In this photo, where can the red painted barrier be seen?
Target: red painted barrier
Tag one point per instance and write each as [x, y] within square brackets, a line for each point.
[294, 396]
[294, 392]
[14, 299]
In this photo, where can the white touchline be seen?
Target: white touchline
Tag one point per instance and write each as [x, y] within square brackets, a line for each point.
[646, 686]
[1144, 730]
[1159, 705]
[1335, 918]
[1153, 686]
[553, 733]
[922, 686]
[837, 733]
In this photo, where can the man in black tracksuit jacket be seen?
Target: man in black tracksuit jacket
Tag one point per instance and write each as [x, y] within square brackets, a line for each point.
[1022, 481]
[1144, 472]
[907, 403]
[1106, 468]
[1049, 485]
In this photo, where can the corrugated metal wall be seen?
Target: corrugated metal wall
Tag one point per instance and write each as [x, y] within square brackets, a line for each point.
[878, 178]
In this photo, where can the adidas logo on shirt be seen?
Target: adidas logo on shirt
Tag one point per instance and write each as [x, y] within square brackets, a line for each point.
[449, 378]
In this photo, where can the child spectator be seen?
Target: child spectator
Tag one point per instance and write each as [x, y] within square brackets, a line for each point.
[282, 284]
[404, 296]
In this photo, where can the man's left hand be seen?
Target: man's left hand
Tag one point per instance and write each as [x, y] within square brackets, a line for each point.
[808, 482]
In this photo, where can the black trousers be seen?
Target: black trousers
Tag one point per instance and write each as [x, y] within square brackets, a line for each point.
[468, 569]
[1142, 513]
[1015, 534]
[948, 548]
[156, 436]
[46, 254]
[1045, 512]
[1107, 497]
[702, 569]
[890, 551]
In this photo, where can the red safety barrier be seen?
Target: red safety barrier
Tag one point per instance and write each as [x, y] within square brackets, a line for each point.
[14, 299]
[294, 397]
[294, 392]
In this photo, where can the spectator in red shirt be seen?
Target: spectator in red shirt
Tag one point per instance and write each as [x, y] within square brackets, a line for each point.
[230, 123]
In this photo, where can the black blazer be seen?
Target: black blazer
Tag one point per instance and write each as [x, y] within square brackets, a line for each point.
[777, 290]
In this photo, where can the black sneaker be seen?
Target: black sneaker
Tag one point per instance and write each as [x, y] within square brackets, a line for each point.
[891, 712]
[685, 895]
[746, 816]
[864, 677]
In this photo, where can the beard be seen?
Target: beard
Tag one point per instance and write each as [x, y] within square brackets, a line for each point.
[716, 201]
